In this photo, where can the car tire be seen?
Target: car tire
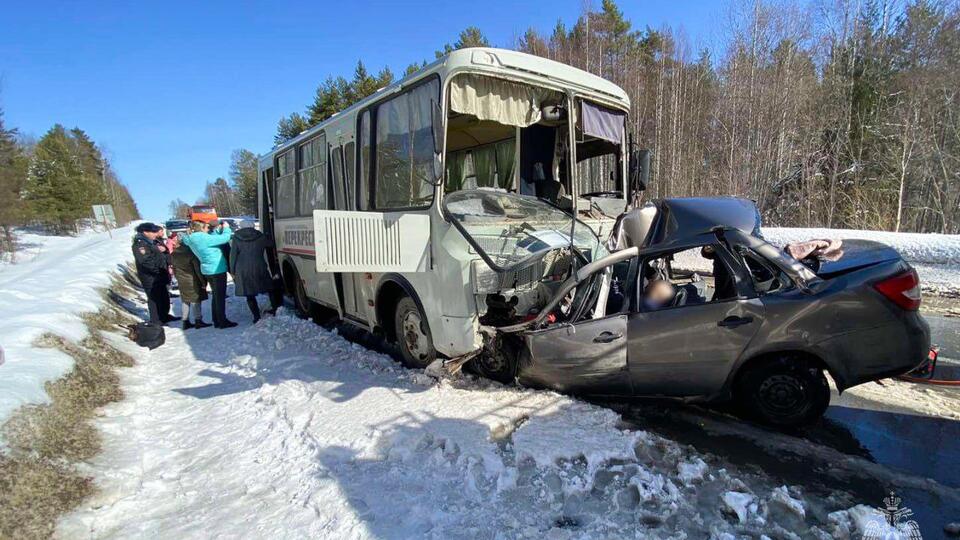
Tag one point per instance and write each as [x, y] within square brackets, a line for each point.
[787, 392]
[498, 363]
[413, 335]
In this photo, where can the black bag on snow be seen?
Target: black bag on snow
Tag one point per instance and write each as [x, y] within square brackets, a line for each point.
[147, 334]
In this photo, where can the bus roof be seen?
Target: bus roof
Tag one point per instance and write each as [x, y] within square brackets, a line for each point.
[535, 69]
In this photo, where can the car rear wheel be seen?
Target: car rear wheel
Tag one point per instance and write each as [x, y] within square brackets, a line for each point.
[413, 335]
[788, 392]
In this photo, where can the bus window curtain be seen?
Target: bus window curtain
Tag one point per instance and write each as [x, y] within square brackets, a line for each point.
[489, 98]
[455, 171]
[506, 162]
[485, 165]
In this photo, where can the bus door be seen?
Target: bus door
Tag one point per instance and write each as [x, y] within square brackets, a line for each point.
[266, 202]
[266, 216]
[348, 284]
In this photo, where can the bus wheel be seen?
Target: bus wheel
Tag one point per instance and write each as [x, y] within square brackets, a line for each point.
[300, 299]
[413, 335]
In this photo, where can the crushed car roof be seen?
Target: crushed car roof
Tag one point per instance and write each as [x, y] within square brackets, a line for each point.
[683, 218]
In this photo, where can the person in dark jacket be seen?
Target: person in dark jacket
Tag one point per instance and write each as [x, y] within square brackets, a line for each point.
[251, 271]
[152, 263]
[193, 286]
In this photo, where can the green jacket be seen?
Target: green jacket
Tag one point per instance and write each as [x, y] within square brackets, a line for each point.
[206, 246]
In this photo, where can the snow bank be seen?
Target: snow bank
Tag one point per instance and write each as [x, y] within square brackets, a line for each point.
[54, 280]
[924, 248]
[935, 256]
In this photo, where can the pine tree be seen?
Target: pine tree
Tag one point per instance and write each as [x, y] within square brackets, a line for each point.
[289, 127]
[470, 36]
[243, 177]
[12, 175]
[55, 185]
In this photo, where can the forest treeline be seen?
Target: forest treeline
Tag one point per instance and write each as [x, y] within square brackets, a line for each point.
[53, 182]
[835, 113]
[839, 113]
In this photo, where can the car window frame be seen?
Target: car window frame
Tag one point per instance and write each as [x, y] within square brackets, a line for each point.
[786, 282]
[737, 271]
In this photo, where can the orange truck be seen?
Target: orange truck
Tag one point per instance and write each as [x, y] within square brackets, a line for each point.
[203, 213]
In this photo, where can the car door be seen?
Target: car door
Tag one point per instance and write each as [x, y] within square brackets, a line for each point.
[689, 350]
[588, 357]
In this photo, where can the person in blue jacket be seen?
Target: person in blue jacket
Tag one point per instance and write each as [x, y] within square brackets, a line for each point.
[205, 241]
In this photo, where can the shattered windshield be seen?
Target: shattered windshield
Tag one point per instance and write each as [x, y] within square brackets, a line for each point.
[510, 230]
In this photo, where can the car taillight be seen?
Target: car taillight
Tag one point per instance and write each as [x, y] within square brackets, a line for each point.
[902, 289]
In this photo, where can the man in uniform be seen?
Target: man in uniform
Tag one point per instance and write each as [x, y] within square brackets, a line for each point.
[152, 269]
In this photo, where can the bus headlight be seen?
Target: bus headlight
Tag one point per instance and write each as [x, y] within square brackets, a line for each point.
[485, 280]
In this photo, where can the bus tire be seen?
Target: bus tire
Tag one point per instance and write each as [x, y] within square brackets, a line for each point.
[413, 335]
[303, 304]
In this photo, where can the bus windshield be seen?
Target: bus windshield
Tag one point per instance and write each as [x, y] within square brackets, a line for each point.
[510, 230]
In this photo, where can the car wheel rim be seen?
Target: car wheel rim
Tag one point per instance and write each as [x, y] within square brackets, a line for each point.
[781, 394]
[414, 339]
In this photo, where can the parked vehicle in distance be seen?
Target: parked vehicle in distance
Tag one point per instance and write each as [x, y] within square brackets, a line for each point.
[177, 226]
[203, 213]
[231, 222]
[745, 321]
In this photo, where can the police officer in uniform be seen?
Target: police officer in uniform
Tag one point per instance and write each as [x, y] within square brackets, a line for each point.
[153, 270]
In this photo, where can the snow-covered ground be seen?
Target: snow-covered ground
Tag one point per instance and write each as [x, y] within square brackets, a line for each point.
[54, 279]
[935, 256]
[285, 429]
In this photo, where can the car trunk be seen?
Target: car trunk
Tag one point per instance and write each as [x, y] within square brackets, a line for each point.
[857, 254]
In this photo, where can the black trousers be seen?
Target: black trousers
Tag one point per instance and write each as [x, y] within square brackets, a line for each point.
[158, 302]
[218, 286]
[276, 300]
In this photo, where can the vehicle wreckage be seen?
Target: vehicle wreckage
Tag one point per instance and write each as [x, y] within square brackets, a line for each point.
[565, 311]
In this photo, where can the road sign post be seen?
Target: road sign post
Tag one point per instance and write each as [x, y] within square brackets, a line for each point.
[103, 213]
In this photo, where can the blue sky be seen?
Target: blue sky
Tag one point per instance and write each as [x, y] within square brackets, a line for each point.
[170, 89]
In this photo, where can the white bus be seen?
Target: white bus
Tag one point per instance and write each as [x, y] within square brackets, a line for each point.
[444, 204]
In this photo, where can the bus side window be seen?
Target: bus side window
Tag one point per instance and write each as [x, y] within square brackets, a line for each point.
[349, 150]
[336, 166]
[313, 175]
[286, 203]
[405, 176]
[363, 191]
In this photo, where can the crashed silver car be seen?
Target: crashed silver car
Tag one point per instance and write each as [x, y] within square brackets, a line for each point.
[688, 301]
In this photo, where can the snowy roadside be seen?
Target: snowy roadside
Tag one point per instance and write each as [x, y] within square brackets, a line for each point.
[54, 281]
[284, 429]
[935, 256]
